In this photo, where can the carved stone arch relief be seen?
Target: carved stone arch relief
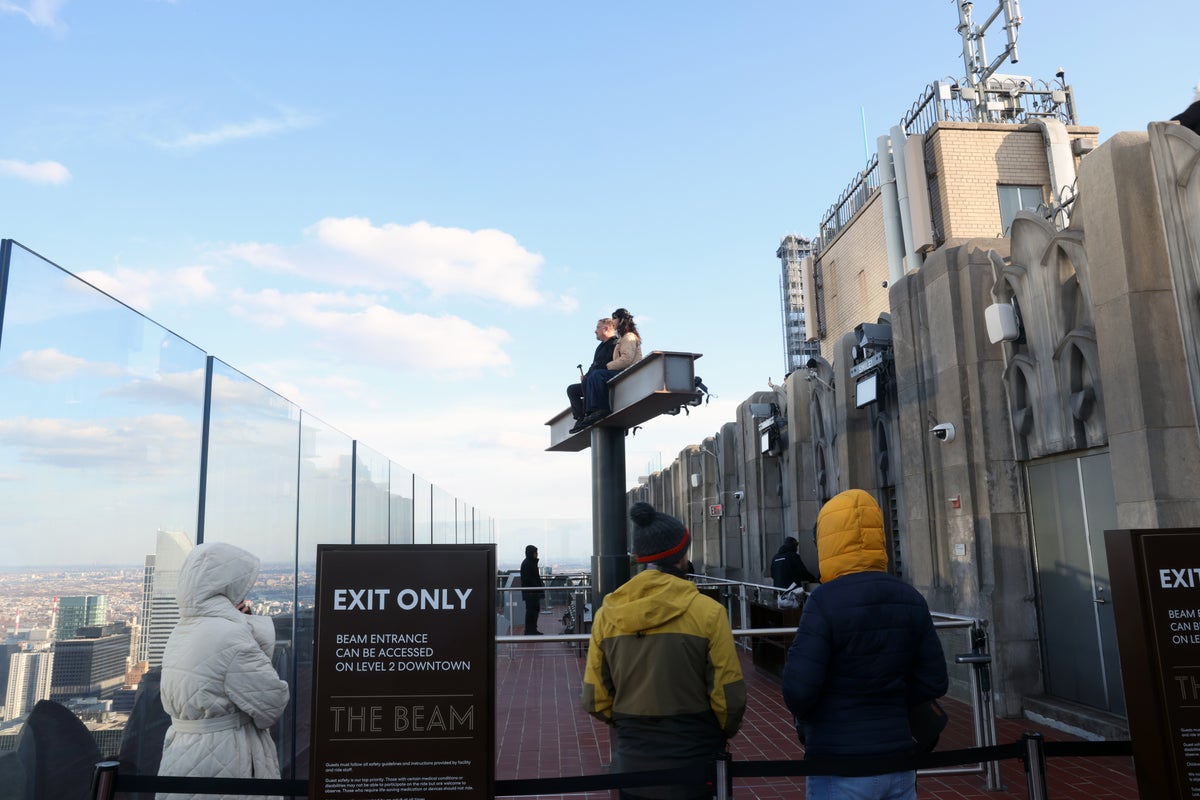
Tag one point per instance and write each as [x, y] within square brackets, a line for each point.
[821, 467]
[883, 454]
[1080, 392]
[824, 437]
[1038, 292]
[1069, 260]
[1052, 304]
[1175, 155]
[1020, 378]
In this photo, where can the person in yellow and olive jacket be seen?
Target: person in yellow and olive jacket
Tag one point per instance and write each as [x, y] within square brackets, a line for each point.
[662, 668]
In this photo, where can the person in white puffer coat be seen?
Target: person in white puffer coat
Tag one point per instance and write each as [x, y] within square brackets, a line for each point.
[218, 684]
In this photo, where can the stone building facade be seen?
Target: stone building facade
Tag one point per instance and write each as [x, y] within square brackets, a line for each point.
[1085, 420]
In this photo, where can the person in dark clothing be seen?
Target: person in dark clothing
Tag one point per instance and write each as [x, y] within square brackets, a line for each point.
[865, 653]
[787, 568]
[1189, 117]
[533, 600]
[606, 333]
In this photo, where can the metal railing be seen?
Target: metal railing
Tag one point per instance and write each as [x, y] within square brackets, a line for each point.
[718, 775]
[1013, 99]
[737, 597]
[1006, 99]
[852, 198]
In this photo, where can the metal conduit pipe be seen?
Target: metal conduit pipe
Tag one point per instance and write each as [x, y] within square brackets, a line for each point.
[1060, 160]
[893, 237]
[914, 258]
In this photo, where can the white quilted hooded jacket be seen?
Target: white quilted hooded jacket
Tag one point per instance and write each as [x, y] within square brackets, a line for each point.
[218, 684]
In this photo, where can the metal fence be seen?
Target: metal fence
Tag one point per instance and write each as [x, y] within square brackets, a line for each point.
[719, 776]
[1010, 99]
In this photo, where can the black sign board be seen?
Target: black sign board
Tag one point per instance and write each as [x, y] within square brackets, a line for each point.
[404, 672]
[1156, 603]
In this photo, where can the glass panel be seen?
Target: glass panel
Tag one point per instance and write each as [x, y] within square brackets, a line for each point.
[1030, 196]
[325, 484]
[401, 491]
[443, 516]
[100, 430]
[1069, 635]
[1101, 507]
[422, 511]
[251, 491]
[371, 477]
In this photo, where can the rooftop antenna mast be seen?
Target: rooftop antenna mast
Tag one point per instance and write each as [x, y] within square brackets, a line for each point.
[975, 50]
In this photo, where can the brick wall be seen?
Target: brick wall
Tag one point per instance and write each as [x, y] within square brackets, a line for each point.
[969, 160]
[854, 268]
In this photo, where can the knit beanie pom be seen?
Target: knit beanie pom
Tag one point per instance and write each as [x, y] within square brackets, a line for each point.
[657, 538]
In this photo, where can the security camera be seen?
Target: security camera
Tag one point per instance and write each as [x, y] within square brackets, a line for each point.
[943, 432]
[739, 496]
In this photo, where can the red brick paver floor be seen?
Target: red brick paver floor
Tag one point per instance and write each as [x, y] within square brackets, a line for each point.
[542, 732]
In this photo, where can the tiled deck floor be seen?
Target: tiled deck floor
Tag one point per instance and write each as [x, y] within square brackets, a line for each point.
[542, 732]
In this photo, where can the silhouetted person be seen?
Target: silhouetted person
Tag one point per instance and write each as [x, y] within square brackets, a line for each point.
[530, 576]
[787, 568]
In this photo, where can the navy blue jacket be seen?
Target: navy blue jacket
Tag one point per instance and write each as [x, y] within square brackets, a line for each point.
[865, 651]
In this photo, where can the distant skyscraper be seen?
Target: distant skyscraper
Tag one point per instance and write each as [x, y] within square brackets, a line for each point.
[78, 612]
[792, 253]
[29, 675]
[92, 664]
[161, 578]
[142, 650]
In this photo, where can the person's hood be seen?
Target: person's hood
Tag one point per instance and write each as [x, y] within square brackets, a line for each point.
[850, 536]
[215, 575]
[649, 600]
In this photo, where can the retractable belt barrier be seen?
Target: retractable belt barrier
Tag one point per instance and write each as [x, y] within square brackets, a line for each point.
[107, 782]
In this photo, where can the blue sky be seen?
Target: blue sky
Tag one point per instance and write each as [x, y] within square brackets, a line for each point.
[406, 217]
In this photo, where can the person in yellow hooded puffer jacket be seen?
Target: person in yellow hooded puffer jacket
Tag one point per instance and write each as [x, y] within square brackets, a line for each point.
[662, 668]
[865, 652]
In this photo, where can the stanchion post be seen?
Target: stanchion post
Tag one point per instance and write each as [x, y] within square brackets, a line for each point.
[724, 776]
[982, 712]
[104, 780]
[1035, 766]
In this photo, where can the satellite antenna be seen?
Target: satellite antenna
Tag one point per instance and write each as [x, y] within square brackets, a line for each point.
[975, 51]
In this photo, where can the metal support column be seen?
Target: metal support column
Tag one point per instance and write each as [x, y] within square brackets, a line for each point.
[610, 546]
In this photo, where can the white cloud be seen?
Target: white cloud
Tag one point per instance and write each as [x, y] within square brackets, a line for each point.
[360, 328]
[352, 251]
[143, 289]
[50, 172]
[46, 366]
[137, 444]
[254, 129]
[51, 366]
[42, 13]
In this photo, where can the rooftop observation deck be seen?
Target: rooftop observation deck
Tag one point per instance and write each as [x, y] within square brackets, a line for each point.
[542, 732]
